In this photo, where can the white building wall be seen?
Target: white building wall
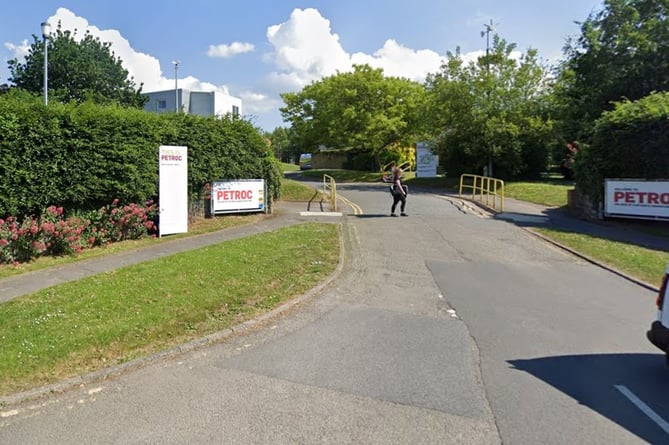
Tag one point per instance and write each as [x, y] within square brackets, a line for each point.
[201, 103]
[227, 104]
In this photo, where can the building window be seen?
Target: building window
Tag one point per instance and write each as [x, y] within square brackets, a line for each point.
[162, 104]
[235, 110]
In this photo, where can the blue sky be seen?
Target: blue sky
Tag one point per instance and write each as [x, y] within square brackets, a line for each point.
[257, 49]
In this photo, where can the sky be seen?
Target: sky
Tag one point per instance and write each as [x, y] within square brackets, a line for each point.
[258, 49]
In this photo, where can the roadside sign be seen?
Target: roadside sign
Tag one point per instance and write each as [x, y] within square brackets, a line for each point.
[238, 196]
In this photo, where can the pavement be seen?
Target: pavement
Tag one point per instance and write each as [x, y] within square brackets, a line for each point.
[531, 216]
[526, 215]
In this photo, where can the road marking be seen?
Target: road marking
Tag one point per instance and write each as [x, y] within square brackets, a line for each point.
[357, 210]
[647, 410]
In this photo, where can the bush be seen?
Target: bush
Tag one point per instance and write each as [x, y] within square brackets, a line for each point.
[80, 156]
[631, 141]
[53, 234]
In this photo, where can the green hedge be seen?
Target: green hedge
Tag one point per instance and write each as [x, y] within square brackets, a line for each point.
[82, 157]
[631, 141]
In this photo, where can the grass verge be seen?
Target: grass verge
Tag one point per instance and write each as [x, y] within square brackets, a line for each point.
[550, 194]
[647, 265]
[114, 317]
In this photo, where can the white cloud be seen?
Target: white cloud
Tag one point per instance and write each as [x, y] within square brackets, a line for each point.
[226, 51]
[19, 51]
[400, 61]
[305, 49]
[259, 103]
[144, 68]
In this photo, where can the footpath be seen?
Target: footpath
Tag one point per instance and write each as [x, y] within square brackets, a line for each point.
[530, 216]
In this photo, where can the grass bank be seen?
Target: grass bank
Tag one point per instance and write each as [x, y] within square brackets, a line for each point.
[75, 328]
[114, 317]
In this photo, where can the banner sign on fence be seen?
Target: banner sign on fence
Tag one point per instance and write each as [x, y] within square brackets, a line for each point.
[636, 198]
[173, 189]
[426, 161]
[238, 196]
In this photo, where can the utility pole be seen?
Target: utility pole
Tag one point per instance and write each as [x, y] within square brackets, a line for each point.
[488, 29]
[176, 86]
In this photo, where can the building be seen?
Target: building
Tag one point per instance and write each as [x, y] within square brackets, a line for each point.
[201, 103]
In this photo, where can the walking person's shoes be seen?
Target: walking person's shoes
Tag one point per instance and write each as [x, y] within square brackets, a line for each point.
[392, 214]
[403, 214]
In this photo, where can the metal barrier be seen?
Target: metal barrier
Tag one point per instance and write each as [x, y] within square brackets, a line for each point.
[329, 185]
[484, 189]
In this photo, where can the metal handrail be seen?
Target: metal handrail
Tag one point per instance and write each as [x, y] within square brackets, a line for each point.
[330, 185]
[484, 189]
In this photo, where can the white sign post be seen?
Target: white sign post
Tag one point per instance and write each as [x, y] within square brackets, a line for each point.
[426, 161]
[173, 190]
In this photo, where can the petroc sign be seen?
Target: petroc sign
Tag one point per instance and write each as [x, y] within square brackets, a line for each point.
[173, 189]
[629, 198]
[238, 196]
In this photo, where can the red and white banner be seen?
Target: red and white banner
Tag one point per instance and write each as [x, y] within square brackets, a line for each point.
[636, 199]
[242, 195]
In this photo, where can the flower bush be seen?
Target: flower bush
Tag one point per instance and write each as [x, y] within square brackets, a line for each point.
[52, 234]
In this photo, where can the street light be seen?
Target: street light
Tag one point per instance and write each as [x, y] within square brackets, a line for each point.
[46, 28]
[176, 90]
[488, 29]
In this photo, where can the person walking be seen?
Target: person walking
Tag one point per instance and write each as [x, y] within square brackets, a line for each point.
[398, 190]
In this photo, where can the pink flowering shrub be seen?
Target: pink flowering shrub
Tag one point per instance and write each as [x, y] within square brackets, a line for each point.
[52, 234]
[19, 241]
[62, 236]
[114, 223]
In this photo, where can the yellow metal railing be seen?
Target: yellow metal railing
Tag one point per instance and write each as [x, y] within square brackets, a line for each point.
[330, 190]
[488, 191]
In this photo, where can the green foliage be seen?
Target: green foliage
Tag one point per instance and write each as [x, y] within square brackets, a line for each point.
[491, 111]
[80, 157]
[79, 70]
[622, 53]
[631, 141]
[363, 110]
[283, 147]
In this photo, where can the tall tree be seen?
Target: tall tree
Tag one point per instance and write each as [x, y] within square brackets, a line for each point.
[621, 53]
[362, 109]
[491, 112]
[282, 146]
[78, 70]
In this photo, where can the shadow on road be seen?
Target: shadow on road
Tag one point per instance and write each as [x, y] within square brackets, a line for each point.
[601, 382]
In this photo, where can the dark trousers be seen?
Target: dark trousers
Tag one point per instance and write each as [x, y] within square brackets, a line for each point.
[398, 197]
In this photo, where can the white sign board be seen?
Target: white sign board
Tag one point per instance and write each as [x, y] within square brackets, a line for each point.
[636, 199]
[173, 190]
[241, 195]
[426, 161]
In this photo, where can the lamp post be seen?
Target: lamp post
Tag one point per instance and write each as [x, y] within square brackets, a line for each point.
[46, 28]
[488, 29]
[176, 90]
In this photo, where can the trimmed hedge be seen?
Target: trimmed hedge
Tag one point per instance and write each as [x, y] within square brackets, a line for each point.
[631, 141]
[81, 157]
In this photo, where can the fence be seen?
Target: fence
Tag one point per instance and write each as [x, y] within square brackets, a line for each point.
[488, 191]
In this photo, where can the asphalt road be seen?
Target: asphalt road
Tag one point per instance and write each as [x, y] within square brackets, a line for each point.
[444, 327]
